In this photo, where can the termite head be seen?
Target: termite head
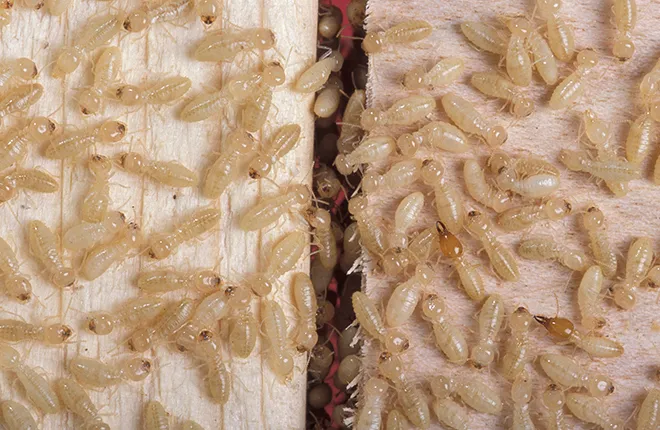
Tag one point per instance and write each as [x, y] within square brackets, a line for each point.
[442, 387]
[496, 136]
[128, 95]
[207, 280]
[305, 340]
[318, 218]
[371, 181]
[136, 21]
[600, 385]
[432, 171]
[573, 160]
[134, 233]
[343, 165]
[414, 79]
[302, 194]
[370, 119]
[593, 218]
[100, 324]
[274, 74]
[57, 333]
[433, 308]
[623, 48]
[137, 369]
[208, 11]
[559, 328]
[357, 205]
[259, 167]
[99, 165]
[587, 59]
[396, 341]
[522, 106]
[553, 398]
[556, 208]
[375, 387]
[239, 297]
[450, 246]
[131, 161]
[160, 247]
[408, 143]
[521, 390]
[391, 367]
[67, 62]
[624, 296]
[141, 340]
[518, 26]
[498, 160]
[520, 320]
[240, 140]
[112, 131]
[42, 129]
[64, 278]
[482, 355]
[24, 68]
[116, 218]
[372, 43]
[18, 287]
[264, 39]
[90, 101]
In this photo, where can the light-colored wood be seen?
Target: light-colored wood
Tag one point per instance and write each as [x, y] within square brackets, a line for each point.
[611, 91]
[257, 400]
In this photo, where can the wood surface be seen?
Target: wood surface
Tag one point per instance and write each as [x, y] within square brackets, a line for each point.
[544, 288]
[257, 400]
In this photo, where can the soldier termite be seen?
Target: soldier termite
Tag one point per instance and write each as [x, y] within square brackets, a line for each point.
[155, 93]
[444, 72]
[494, 85]
[473, 392]
[604, 253]
[448, 337]
[404, 298]
[36, 180]
[147, 15]
[592, 410]
[170, 321]
[523, 217]
[560, 35]
[449, 412]
[638, 263]
[99, 259]
[518, 63]
[170, 173]
[491, 318]
[285, 139]
[224, 46]
[20, 331]
[502, 260]
[521, 394]
[305, 301]
[553, 399]
[71, 145]
[371, 150]
[544, 248]
[437, 135]
[400, 175]
[97, 32]
[156, 417]
[218, 379]
[406, 111]
[87, 234]
[372, 237]
[16, 416]
[106, 68]
[36, 387]
[162, 245]
[225, 169]
[451, 248]
[607, 170]
[321, 222]
[468, 119]
[20, 98]
[485, 37]
[405, 215]
[94, 373]
[44, 247]
[16, 285]
[625, 19]
[448, 201]
[77, 401]
[648, 418]
[275, 334]
[410, 397]
[19, 68]
[14, 146]
[517, 349]
[166, 280]
[563, 330]
[371, 322]
[403, 33]
[567, 372]
[572, 87]
[283, 258]
[369, 415]
[271, 209]
[589, 295]
[136, 312]
[481, 190]
[95, 202]
[208, 312]
[640, 138]
[316, 75]
[351, 131]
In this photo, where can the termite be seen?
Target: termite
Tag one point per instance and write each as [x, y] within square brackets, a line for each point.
[275, 334]
[400, 175]
[170, 173]
[20, 98]
[75, 399]
[518, 63]
[99, 259]
[14, 146]
[20, 331]
[436, 134]
[15, 283]
[403, 33]
[316, 75]
[563, 330]
[326, 182]
[95, 203]
[625, 19]
[95, 373]
[638, 263]
[396, 420]
[327, 100]
[218, 379]
[532, 187]
[156, 93]
[20, 68]
[208, 312]
[225, 46]
[648, 417]
[523, 217]
[373, 238]
[494, 85]
[521, 167]
[269, 210]
[451, 248]
[255, 111]
[607, 170]
[87, 234]
[572, 87]
[485, 37]
[285, 139]
[71, 145]
[444, 72]
[592, 410]
[553, 399]
[370, 321]
[640, 138]
[406, 213]
[16, 416]
[604, 253]
[560, 34]
[374, 401]
[410, 397]
[598, 133]
[567, 372]
[44, 248]
[26, 179]
[250, 85]
[283, 258]
[406, 111]
[517, 349]
[371, 150]
[491, 317]
[351, 132]
[321, 222]
[546, 248]
[448, 411]
[169, 322]
[156, 417]
[149, 14]
[502, 260]
[650, 83]
[589, 295]
[473, 392]
[106, 68]
[404, 298]
[468, 119]
[136, 312]
[36, 387]
[305, 301]
[521, 394]
[542, 57]
[243, 327]
[166, 280]
[448, 201]
[225, 169]
[481, 190]
[162, 245]
[448, 336]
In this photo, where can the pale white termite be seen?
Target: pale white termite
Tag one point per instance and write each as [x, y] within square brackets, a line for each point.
[598, 133]
[521, 394]
[589, 297]
[403, 33]
[608, 170]
[481, 190]
[640, 138]
[448, 336]
[321, 221]
[224, 46]
[405, 111]
[275, 334]
[14, 146]
[553, 399]
[162, 245]
[522, 167]
[305, 301]
[604, 253]
[517, 349]
[448, 411]
[473, 392]
[167, 324]
[16, 416]
[502, 260]
[491, 317]
[283, 257]
[156, 93]
[370, 321]
[468, 119]
[327, 183]
[542, 57]
[523, 217]
[374, 401]
[436, 134]
[518, 63]
[213, 308]
[87, 234]
[532, 187]
[567, 372]
[218, 378]
[18, 68]
[592, 410]
[372, 237]
[243, 327]
[448, 201]
[405, 215]
[404, 298]
[255, 111]
[544, 248]
[20, 331]
[36, 180]
[351, 132]
[20, 98]
[495, 85]
[225, 168]
[444, 72]
[170, 173]
[250, 85]
[452, 248]
[106, 68]
[485, 37]
[563, 330]
[371, 150]
[71, 145]
[44, 246]
[649, 413]
[396, 420]
[625, 19]
[95, 203]
[269, 210]
[638, 263]
[316, 75]
[99, 259]
[95, 373]
[560, 34]
[16, 285]
[572, 87]
[166, 280]
[148, 14]
[136, 312]
[156, 417]
[400, 175]
[283, 141]
[74, 398]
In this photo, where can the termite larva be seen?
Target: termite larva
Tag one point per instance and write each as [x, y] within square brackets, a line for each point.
[156, 93]
[16, 285]
[371, 150]
[351, 131]
[406, 213]
[625, 19]
[436, 134]
[485, 37]
[517, 349]
[451, 248]
[316, 75]
[589, 295]
[75, 399]
[218, 378]
[448, 411]
[373, 238]
[546, 248]
[518, 63]
[444, 72]
[170, 173]
[468, 119]
[106, 68]
[404, 298]
[271, 209]
[20, 331]
[283, 258]
[169, 322]
[608, 170]
[648, 417]
[225, 169]
[563, 330]
[592, 410]
[523, 217]
[97, 199]
[275, 334]
[87, 234]
[370, 321]
[567, 372]
[44, 247]
[502, 260]
[95, 373]
[305, 301]
[162, 245]
[473, 392]
[412, 401]
[36, 180]
[20, 98]
[521, 394]
[284, 140]
[531, 187]
[73, 144]
[321, 222]
[166, 280]
[99, 259]
[14, 146]
[560, 35]
[208, 312]
[572, 87]
[542, 57]
[403, 33]
[604, 253]
[156, 417]
[400, 175]
[495, 85]
[16, 416]
[640, 138]
[21, 68]
[225, 46]
[36, 387]
[149, 14]
[491, 317]
[553, 399]
[481, 190]
[406, 111]
[369, 415]
[448, 201]
[136, 312]
[243, 327]
[448, 337]
[638, 263]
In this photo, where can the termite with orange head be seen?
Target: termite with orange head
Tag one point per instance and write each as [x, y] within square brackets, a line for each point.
[483, 191]
[472, 392]
[21, 331]
[18, 68]
[14, 146]
[405, 111]
[99, 259]
[321, 222]
[94, 373]
[171, 320]
[372, 149]
[85, 235]
[170, 173]
[36, 180]
[44, 247]
[544, 248]
[572, 87]
[404, 33]
[404, 298]
[560, 34]
[563, 330]
[485, 37]
[269, 210]
[133, 313]
[437, 135]
[16, 285]
[218, 378]
[283, 141]
[448, 201]
[106, 68]
[448, 336]
[372, 236]
[405, 215]
[71, 145]
[468, 119]
[495, 85]
[491, 317]
[523, 217]
[75, 399]
[443, 73]
[517, 60]
[224, 46]
[369, 318]
[283, 258]
[162, 245]
[146, 15]
[502, 260]
[568, 373]
[451, 248]
[275, 334]
[517, 349]
[638, 263]
[316, 75]
[225, 168]
[166, 280]
[20, 98]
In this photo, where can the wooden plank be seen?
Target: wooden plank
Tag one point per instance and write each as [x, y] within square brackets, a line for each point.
[256, 401]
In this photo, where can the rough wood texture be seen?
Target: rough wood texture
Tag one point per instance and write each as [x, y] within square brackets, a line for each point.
[257, 400]
[611, 90]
